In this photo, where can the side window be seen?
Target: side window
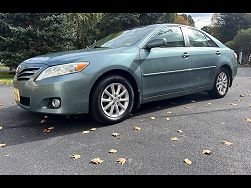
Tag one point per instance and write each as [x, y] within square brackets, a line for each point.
[173, 36]
[196, 38]
[211, 42]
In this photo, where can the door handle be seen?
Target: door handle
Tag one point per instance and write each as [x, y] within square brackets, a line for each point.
[218, 53]
[185, 55]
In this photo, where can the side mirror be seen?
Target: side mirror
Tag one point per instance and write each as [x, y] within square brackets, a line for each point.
[155, 43]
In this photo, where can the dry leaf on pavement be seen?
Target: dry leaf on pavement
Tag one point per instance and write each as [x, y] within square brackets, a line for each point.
[187, 161]
[233, 104]
[93, 129]
[180, 131]
[115, 134]
[121, 160]
[136, 128]
[248, 120]
[187, 107]
[209, 103]
[1, 104]
[1, 127]
[241, 95]
[75, 156]
[174, 138]
[226, 143]
[97, 161]
[113, 151]
[2, 145]
[85, 132]
[47, 130]
[44, 120]
[167, 119]
[193, 101]
[169, 112]
[207, 152]
[152, 117]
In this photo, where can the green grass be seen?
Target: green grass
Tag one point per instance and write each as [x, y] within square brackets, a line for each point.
[6, 78]
[3, 67]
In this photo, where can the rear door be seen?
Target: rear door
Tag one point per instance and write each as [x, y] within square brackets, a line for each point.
[205, 55]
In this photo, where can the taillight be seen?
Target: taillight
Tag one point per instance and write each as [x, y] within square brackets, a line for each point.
[235, 55]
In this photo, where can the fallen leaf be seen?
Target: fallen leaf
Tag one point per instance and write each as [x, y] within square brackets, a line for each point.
[233, 104]
[226, 143]
[141, 120]
[1, 104]
[45, 117]
[2, 145]
[152, 117]
[121, 160]
[237, 100]
[193, 101]
[174, 138]
[97, 161]
[207, 152]
[167, 119]
[169, 112]
[136, 128]
[93, 129]
[47, 130]
[113, 151]
[209, 103]
[187, 107]
[180, 131]
[115, 134]
[85, 132]
[187, 161]
[75, 156]
[1, 127]
[248, 120]
[7, 155]
[44, 120]
[241, 95]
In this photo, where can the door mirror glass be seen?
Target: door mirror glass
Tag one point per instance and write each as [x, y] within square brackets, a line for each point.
[155, 43]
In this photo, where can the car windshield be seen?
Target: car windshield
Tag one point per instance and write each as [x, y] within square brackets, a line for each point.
[123, 38]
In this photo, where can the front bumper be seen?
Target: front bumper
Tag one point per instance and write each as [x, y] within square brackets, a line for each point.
[72, 89]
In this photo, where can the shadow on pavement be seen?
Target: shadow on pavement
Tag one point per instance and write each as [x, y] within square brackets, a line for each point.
[20, 126]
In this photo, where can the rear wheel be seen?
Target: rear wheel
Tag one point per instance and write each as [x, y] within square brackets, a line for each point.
[221, 84]
[112, 100]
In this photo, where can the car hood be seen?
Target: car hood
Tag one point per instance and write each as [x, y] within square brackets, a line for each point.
[72, 56]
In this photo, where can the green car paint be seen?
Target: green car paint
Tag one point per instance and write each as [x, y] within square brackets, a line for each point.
[157, 73]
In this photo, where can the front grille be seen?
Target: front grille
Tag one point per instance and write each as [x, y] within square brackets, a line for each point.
[25, 101]
[27, 73]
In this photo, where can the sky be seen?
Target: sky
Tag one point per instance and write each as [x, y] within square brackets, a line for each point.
[201, 19]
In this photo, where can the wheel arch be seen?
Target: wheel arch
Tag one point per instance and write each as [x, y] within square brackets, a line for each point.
[126, 74]
[230, 72]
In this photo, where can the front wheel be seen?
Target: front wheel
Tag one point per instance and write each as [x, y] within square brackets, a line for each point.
[112, 100]
[221, 84]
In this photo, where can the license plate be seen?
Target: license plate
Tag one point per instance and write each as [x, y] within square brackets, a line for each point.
[17, 94]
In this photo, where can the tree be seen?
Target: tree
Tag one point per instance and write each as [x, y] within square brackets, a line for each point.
[83, 26]
[24, 35]
[242, 42]
[230, 23]
[185, 20]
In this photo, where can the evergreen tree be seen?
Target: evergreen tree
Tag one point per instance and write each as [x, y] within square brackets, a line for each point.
[24, 35]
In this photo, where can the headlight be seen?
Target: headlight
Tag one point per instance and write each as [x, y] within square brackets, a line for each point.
[60, 70]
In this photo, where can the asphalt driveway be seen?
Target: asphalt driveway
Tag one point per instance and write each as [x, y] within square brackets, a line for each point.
[204, 124]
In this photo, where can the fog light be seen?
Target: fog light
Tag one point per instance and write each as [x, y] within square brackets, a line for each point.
[56, 103]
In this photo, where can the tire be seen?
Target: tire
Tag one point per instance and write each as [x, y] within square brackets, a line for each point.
[106, 106]
[216, 92]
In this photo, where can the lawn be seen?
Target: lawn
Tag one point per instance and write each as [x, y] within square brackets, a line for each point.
[6, 77]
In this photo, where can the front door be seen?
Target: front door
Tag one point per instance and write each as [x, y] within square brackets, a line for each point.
[166, 70]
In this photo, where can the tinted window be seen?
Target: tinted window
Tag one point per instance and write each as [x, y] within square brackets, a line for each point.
[196, 38]
[173, 36]
[211, 43]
